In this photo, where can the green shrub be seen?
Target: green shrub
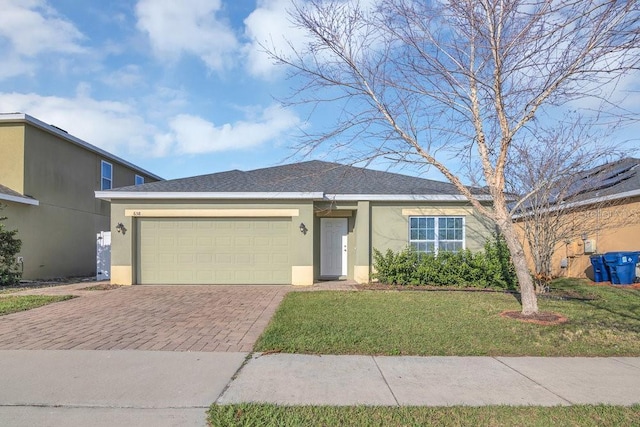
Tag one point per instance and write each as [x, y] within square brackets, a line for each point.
[490, 268]
[9, 248]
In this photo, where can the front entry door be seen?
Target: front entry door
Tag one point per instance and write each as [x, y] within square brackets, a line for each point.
[333, 247]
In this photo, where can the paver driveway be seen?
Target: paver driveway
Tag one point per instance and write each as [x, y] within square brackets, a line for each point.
[170, 318]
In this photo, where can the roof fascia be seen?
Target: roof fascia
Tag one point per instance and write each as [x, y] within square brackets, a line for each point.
[109, 195]
[587, 202]
[25, 118]
[17, 199]
[404, 197]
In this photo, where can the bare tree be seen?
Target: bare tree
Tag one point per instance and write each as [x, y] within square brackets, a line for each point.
[426, 82]
[550, 178]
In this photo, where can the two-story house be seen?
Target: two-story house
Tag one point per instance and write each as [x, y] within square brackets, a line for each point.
[47, 183]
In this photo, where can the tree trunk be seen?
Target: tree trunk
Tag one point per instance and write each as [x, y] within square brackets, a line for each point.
[528, 297]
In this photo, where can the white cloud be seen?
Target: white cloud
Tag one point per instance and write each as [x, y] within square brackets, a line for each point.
[113, 126]
[30, 29]
[175, 28]
[194, 135]
[119, 128]
[270, 26]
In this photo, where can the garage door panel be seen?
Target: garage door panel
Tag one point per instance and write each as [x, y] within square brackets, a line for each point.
[280, 259]
[243, 260]
[223, 241]
[186, 241]
[205, 259]
[216, 251]
[243, 241]
[223, 276]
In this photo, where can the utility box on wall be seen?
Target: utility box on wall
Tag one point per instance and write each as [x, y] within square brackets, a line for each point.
[589, 246]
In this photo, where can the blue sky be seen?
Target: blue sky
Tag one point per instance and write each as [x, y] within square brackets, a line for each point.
[178, 88]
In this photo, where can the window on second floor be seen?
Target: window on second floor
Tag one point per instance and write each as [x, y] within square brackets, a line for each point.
[428, 234]
[106, 172]
[139, 180]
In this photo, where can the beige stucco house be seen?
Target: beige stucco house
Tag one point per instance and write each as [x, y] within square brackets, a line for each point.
[292, 224]
[608, 216]
[603, 215]
[47, 184]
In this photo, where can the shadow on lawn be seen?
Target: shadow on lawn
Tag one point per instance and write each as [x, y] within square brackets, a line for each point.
[630, 310]
[619, 311]
[616, 309]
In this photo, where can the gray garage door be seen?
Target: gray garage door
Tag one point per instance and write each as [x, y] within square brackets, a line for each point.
[213, 251]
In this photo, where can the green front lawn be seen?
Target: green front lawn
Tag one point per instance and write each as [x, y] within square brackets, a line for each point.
[603, 321]
[272, 415]
[13, 304]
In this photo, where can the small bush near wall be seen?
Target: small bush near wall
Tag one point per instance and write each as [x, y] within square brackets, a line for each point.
[9, 248]
[490, 268]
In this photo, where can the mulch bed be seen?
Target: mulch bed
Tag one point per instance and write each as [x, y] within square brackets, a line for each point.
[428, 288]
[545, 318]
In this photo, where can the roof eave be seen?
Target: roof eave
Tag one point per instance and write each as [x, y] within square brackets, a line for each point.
[586, 202]
[404, 197]
[147, 195]
[17, 199]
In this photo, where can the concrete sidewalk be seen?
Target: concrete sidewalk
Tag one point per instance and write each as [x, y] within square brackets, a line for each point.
[111, 388]
[290, 379]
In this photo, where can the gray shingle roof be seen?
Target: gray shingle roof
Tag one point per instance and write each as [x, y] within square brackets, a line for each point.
[610, 179]
[310, 176]
[9, 192]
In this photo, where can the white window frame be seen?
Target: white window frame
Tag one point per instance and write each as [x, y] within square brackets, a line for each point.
[103, 177]
[138, 177]
[436, 238]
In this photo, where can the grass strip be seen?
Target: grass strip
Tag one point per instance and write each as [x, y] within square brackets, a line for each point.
[442, 323]
[13, 304]
[272, 415]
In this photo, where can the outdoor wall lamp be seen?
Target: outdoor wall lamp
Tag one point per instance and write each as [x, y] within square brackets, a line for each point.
[303, 228]
[120, 228]
[584, 236]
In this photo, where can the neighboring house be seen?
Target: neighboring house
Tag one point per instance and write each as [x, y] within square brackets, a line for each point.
[47, 184]
[292, 224]
[604, 214]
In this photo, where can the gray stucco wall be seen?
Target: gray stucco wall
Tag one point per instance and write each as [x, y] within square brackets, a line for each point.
[59, 235]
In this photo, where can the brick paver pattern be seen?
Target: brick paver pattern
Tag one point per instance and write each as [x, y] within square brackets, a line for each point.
[166, 318]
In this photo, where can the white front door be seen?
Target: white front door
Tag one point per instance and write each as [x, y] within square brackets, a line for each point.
[333, 246]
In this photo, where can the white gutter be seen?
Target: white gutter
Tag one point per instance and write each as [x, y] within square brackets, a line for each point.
[594, 200]
[403, 197]
[25, 118]
[18, 199]
[146, 195]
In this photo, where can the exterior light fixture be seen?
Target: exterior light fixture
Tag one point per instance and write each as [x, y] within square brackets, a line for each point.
[120, 228]
[303, 228]
[584, 236]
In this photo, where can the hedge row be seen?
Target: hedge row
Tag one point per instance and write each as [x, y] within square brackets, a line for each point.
[490, 268]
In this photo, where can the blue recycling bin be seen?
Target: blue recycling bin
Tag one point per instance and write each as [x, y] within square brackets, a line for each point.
[600, 269]
[622, 267]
